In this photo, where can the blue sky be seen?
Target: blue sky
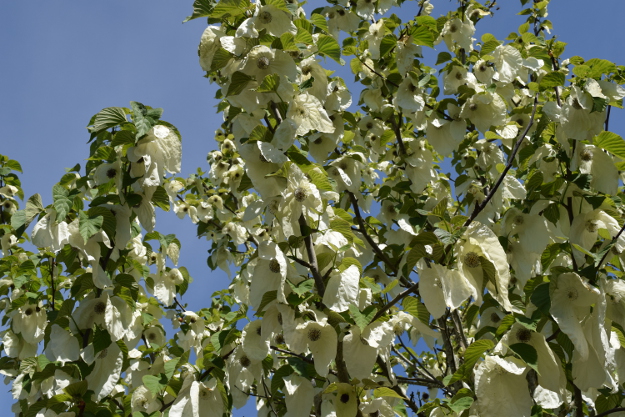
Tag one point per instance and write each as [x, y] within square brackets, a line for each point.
[64, 61]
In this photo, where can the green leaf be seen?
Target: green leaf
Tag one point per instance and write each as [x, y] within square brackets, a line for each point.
[527, 353]
[268, 297]
[270, 83]
[89, 226]
[227, 8]
[388, 42]
[77, 389]
[13, 165]
[471, 356]
[201, 8]
[319, 21]
[611, 142]
[417, 252]
[541, 299]
[386, 392]
[155, 383]
[109, 222]
[349, 261]
[62, 203]
[144, 118]
[303, 287]
[416, 308]
[101, 340]
[505, 325]
[551, 80]
[238, 82]
[461, 404]
[443, 57]
[108, 117]
[328, 46]
[362, 319]
[421, 35]
[22, 218]
[123, 137]
[160, 198]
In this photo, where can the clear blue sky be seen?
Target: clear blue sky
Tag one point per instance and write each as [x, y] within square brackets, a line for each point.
[63, 61]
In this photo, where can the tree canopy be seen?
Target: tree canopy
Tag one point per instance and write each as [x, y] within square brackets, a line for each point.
[448, 241]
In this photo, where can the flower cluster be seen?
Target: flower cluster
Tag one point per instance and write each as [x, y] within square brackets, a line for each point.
[389, 254]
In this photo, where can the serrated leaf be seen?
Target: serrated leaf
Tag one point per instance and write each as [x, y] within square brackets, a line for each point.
[386, 392]
[143, 118]
[417, 309]
[108, 117]
[388, 42]
[362, 319]
[13, 165]
[89, 226]
[160, 198]
[505, 325]
[611, 142]
[238, 82]
[527, 353]
[226, 8]
[155, 383]
[270, 84]
[541, 299]
[201, 8]
[328, 46]
[461, 404]
[551, 80]
[62, 203]
[319, 21]
[77, 389]
[421, 35]
[268, 297]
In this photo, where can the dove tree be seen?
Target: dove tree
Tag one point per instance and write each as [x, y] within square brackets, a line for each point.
[446, 242]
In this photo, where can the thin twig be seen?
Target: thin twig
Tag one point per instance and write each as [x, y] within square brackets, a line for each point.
[397, 130]
[312, 257]
[481, 206]
[363, 230]
[395, 300]
[287, 352]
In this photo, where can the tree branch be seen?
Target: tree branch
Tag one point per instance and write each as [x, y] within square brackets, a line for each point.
[480, 206]
[394, 301]
[312, 257]
[363, 230]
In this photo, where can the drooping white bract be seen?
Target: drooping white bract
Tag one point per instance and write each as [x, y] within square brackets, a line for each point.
[107, 369]
[374, 38]
[571, 301]
[157, 152]
[269, 273]
[165, 284]
[342, 289]
[310, 68]
[441, 287]
[299, 396]
[501, 388]
[63, 346]
[320, 337]
[585, 230]
[50, 233]
[457, 33]
[307, 112]
[254, 345]
[480, 241]
[485, 110]
[508, 61]
[592, 160]
[110, 312]
[30, 321]
[209, 45]
[549, 370]
[360, 349]
[262, 61]
[267, 17]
